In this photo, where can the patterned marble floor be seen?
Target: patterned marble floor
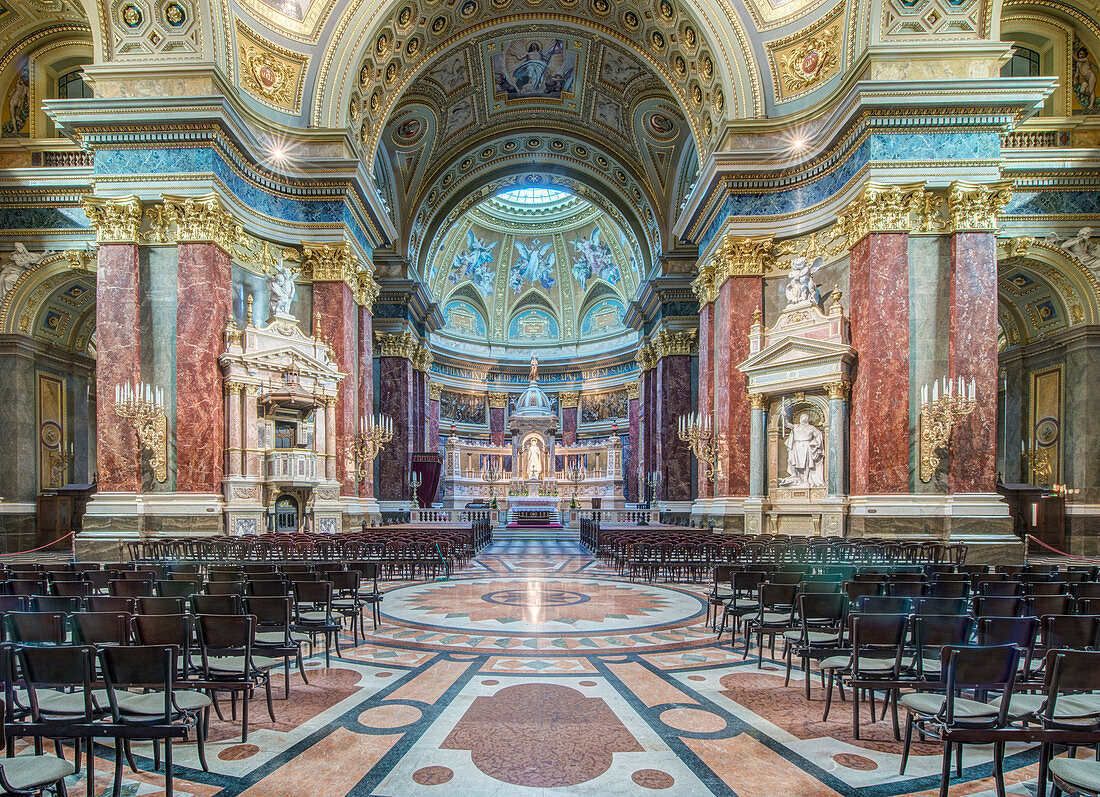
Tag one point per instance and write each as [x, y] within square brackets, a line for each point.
[534, 671]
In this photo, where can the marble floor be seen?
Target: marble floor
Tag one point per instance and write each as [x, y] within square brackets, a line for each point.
[535, 671]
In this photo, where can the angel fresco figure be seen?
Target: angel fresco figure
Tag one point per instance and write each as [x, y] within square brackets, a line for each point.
[800, 284]
[535, 264]
[594, 257]
[523, 68]
[533, 67]
[474, 262]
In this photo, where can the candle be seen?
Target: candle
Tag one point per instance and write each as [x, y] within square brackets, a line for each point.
[971, 388]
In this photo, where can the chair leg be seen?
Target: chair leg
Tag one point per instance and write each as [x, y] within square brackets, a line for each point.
[828, 697]
[245, 700]
[787, 654]
[116, 790]
[959, 760]
[806, 673]
[267, 688]
[999, 768]
[200, 736]
[128, 749]
[302, 666]
[855, 712]
[169, 787]
[945, 771]
[908, 743]
[894, 713]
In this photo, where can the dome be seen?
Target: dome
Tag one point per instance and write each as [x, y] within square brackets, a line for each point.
[533, 403]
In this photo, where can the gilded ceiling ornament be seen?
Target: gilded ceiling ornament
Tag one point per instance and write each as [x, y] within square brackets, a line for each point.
[116, 220]
[270, 73]
[809, 64]
[974, 207]
[569, 398]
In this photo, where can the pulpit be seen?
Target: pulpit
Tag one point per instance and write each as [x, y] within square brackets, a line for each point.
[1038, 512]
[61, 512]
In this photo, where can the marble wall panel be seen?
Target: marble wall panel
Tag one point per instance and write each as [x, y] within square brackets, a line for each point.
[202, 306]
[334, 304]
[1081, 435]
[496, 426]
[569, 426]
[706, 384]
[973, 355]
[879, 461]
[395, 394]
[18, 417]
[674, 456]
[366, 384]
[738, 299]
[118, 360]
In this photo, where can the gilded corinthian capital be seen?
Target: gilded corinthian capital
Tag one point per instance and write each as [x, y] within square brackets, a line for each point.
[116, 221]
[666, 343]
[402, 344]
[201, 218]
[703, 285]
[742, 257]
[974, 207]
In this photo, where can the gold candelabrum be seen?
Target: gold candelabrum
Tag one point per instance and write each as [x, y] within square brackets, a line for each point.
[941, 407]
[1042, 469]
[143, 406]
[574, 474]
[59, 464]
[698, 431]
[373, 435]
[415, 480]
[491, 474]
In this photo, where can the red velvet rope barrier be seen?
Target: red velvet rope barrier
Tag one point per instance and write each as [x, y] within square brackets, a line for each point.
[1062, 553]
[40, 547]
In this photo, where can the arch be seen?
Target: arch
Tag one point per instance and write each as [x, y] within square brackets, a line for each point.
[54, 303]
[1066, 277]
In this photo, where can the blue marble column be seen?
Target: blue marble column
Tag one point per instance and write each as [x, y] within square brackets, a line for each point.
[838, 437]
[757, 446]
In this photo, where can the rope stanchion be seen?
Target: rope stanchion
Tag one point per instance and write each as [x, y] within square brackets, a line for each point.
[1062, 553]
[40, 547]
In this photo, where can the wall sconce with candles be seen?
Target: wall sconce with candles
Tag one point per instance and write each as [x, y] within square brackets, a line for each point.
[143, 406]
[941, 408]
[373, 435]
[698, 432]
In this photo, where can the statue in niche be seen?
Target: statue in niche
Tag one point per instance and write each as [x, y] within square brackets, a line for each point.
[280, 282]
[801, 287]
[534, 369]
[805, 455]
[534, 460]
[18, 261]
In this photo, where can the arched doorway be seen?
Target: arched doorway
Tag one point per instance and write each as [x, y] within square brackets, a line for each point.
[286, 514]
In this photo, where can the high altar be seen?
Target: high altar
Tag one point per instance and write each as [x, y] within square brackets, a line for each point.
[536, 476]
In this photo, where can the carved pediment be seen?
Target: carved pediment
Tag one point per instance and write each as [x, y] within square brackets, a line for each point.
[796, 350]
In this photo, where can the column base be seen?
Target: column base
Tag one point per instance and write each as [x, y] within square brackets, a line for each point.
[724, 513]
[114, 519]
[1083, 529]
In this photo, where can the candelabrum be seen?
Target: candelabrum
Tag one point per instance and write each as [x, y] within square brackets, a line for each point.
[574, 474]
[143, 406]
[1042, 469]
[373, 435]
[491, 474]
[59, 463]
[415, 480]
[698, 432]
[653, 481]
[941, 407]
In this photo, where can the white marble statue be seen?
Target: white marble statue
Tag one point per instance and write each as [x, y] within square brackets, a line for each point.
[800, 284]
[805, 455]
[1082, 246]
[18, 261]
[280, 283]
[534, 460]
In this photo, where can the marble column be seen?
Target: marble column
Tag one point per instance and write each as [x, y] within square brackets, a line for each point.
[202, 271]
[331, 453]
[497, 404]
[433, 416]
[396, 393]
[366, 383]
[570, 404]
[837, 465]
[738, 298]
[758, 454]
[118, 361]
[648, 427]
[320, 440]
[334, 302]
[879, 302]
[634, 421]
[972, 354]
[705, 406]
[673, 387]
[253, 464]
[234, 428]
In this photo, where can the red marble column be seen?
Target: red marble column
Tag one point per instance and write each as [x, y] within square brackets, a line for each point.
[421, 410]
[202, 271]
[705, 486]
[366, 385]
[738, 298]
[972, 354]
[335, 304]
[879, 302]
[496, 422]
[433, 419]
[634, 427]
[673, 378]
[568, 424]
[396, 389]
[118, 360]
[648, 382]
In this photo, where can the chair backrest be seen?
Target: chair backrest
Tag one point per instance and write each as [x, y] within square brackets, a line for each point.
[748, 580]
[227, 635]
[1069, 671]
[178, 587]
[989, 606]
[140, 666]
[1019, 631]
[71, 589]
[161, 605]
[1036, 588]
[940, 605]
[932, 631]
[224, 588]
[1042, 605]
[164, 629]
[877, 636]
[55, 603]
[1000, 589]
[59, 667]
[129, 588]
[818, 586]
[1087, 589]
[36, 628]
[949, 589]
[316, 593]
[111, 603]
[986, 668]
[269, 587]
[217, 604]
[101, 628]
[15, 603]
[269, 611]
[884, 604]
[822, 608]
[1074, 632]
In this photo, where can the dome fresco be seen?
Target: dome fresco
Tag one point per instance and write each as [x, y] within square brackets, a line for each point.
[534, 266]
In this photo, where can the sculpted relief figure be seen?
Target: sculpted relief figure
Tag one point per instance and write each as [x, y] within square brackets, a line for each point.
[534, 460]
[800, 283]
[1082, 246]
[17, 262]
[805, 455]
[280, 282]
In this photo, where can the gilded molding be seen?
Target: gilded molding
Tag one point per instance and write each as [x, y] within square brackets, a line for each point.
[198, 219]
[757, 401]
[421, 359]
[974, 207]
[498, 400]
[838, 390]
[116, 221]
[632, 390]
[331, 263]
[402, 344]
[742, 257]
[434, 390]
[569, 398]
[703, 285]
[646, 358]
[367, 290]
[666, 343]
